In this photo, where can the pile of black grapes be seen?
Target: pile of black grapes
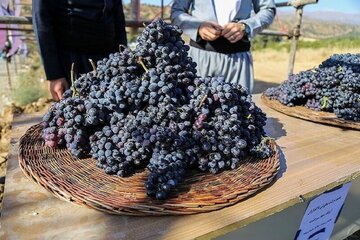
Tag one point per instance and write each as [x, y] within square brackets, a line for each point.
[332, 87]
[147, 109]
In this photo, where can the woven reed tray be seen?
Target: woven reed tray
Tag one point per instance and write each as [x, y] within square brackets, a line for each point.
[310, 115]
[79, 181]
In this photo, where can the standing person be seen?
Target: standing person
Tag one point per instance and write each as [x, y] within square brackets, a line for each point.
[220, 31]
[74, 32]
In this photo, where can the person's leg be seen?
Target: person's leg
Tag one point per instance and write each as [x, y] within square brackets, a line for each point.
[202, 59]
[236, 68]
[240, 69]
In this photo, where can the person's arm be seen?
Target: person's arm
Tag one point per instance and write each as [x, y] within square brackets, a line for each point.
[42, 13]
[192, 26]
[265, 12]
[180, 16]
[120, 33]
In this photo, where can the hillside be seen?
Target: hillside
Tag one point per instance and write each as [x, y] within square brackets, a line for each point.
[315, 24]
[334, 17]
[320, 24]
[148, 12]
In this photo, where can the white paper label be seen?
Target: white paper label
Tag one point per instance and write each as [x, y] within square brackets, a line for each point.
[321, 214]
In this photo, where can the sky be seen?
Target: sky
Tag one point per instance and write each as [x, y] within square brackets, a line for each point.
[345, 6]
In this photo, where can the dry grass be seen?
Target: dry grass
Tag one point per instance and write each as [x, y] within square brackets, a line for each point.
[271, 65]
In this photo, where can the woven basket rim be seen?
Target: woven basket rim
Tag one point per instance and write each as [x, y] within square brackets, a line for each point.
[34, 158]
[305, 113]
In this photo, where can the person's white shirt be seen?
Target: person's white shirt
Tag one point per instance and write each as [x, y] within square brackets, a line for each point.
[226, 10]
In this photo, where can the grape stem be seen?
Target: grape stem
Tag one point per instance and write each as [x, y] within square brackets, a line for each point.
[93, 65]
[265, 141]
[203, 100]
[72, 80]
[324, 102]
[340, 69]
[142, 64]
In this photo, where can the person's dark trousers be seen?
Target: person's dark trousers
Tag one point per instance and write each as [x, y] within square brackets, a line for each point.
[81, 62]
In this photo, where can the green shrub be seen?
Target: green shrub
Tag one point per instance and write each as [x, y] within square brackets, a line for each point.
[28, 89]
[343, 42]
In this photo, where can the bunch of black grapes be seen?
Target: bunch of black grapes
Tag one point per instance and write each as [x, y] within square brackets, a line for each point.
[348, 59]
[332, 87]
[68, 122]
[227, 124]
[146, 108]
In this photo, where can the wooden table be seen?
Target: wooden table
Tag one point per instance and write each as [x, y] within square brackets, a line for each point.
[314, 158]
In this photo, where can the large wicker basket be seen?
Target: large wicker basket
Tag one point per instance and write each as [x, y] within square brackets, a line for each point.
[310, 115]
[79, 181]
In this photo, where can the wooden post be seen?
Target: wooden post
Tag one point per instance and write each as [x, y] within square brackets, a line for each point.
[15, 64]
[162, 9]
[135, 14]
[15, 20]
[295, 37]
[16, 29]
[8, 73]
[6, 50]
[295, 3]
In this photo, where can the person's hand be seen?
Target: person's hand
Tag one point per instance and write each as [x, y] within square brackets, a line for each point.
[233, 31]
[57, 87]
[210, 31]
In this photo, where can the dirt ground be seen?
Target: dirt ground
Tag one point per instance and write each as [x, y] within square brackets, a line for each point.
[5, 128]
[5, 123]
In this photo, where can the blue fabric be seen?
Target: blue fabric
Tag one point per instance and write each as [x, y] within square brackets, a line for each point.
[235, 67]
